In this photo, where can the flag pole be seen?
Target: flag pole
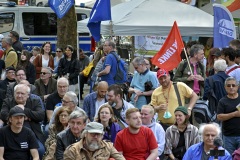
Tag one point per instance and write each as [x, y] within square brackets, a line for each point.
[188, 60]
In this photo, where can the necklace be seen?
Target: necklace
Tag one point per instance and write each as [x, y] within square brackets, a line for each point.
[167, 97]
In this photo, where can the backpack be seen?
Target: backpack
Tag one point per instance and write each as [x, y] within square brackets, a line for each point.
[212, 99]
[121, 74]
[201, 112]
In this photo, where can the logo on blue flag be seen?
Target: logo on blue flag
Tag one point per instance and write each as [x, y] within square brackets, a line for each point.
[60, 7]
[101, 12]
[224, 27]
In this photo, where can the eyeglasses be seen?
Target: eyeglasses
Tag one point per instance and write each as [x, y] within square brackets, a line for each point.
[21, 75]
[58, 51]
[63, 101]
[231, 85]
[63, 115]
[95, 134]
[44, 73]
[11, 72]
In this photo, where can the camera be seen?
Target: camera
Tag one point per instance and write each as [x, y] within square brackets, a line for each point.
[217, 152]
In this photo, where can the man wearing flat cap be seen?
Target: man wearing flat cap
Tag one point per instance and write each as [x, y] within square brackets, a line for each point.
[91, 146]
[17, 141]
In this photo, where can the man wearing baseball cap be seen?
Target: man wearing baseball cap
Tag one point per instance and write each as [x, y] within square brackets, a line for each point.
[91, 146]
[165, 100]
[17, 141]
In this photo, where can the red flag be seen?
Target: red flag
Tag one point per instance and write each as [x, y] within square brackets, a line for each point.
[169, 57]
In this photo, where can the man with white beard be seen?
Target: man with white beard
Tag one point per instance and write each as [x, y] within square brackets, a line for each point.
[91, 146]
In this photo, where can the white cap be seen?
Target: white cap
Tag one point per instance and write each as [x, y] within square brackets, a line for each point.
[1, 37]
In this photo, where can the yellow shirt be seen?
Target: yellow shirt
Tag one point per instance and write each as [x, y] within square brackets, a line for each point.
[11, 58]
[161, 96]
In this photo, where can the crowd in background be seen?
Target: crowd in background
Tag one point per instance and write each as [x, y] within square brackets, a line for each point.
[150, 116]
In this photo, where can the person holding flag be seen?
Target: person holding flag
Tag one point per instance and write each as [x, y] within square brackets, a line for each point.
[192, 72]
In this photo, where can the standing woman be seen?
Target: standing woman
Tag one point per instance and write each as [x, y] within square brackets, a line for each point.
[105, 116]
[24, 62]
[69, 68]
[59, 55]
[180, 136]
[45, 59]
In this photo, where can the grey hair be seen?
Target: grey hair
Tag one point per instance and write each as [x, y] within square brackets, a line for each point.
[139, 60]
[49, 69]
[63, 79]
[22, 85]
[203, 126]
[220, 65]
[195, 49]
[78, 114]
[72, 96]
[111, 43]
[231, 79]
[8, 40]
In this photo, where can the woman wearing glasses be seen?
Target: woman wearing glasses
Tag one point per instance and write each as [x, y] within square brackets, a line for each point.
[59, 55]
[69, 68]
[105, 116]
[61, 123]
[45, 59]
[24, 62]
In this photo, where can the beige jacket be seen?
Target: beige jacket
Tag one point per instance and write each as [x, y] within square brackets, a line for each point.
[76, 151]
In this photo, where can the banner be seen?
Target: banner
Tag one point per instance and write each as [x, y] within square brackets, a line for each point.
[224, 27]
[101, 12]
[231, 5]
[169, 55]
[60, 7]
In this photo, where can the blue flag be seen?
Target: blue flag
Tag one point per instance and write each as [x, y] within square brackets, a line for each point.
[224, 27]
[101, 12]
[60, 7]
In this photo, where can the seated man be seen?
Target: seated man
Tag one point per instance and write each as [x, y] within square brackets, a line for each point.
[94, 100]
[77, 122]
[32, 109]
[136, 141]
[69, 100]
[45, 85]
[201, 151]
[17, 141]
[91, 146]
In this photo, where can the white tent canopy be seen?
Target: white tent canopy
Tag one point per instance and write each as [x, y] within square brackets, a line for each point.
[155, 17]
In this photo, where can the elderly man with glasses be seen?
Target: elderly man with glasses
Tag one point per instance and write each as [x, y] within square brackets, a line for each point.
[228, 112]
[45, 85]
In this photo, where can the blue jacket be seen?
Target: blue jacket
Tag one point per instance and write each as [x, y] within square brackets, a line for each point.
[195, 153]
[89, 105]
[218, 85]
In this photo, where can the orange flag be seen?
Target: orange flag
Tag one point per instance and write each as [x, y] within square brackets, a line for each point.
[169, 57]
[232, 5]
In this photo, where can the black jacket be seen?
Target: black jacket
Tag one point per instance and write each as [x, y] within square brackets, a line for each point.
[33, 110]
[64, 139]
[72, 67]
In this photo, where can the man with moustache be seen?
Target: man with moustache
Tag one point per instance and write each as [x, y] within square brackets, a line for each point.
[164, 98]
[17, 141]
[91, 146]
[136, 141]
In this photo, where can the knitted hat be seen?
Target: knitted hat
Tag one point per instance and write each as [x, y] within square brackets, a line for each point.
[182, 109]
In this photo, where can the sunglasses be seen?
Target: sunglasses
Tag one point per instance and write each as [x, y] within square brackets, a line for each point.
[44, 73]
[231, 85]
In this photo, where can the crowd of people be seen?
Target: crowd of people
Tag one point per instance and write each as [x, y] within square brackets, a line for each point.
[41, 116]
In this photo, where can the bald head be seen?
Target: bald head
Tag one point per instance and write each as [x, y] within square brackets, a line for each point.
[102, 89]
